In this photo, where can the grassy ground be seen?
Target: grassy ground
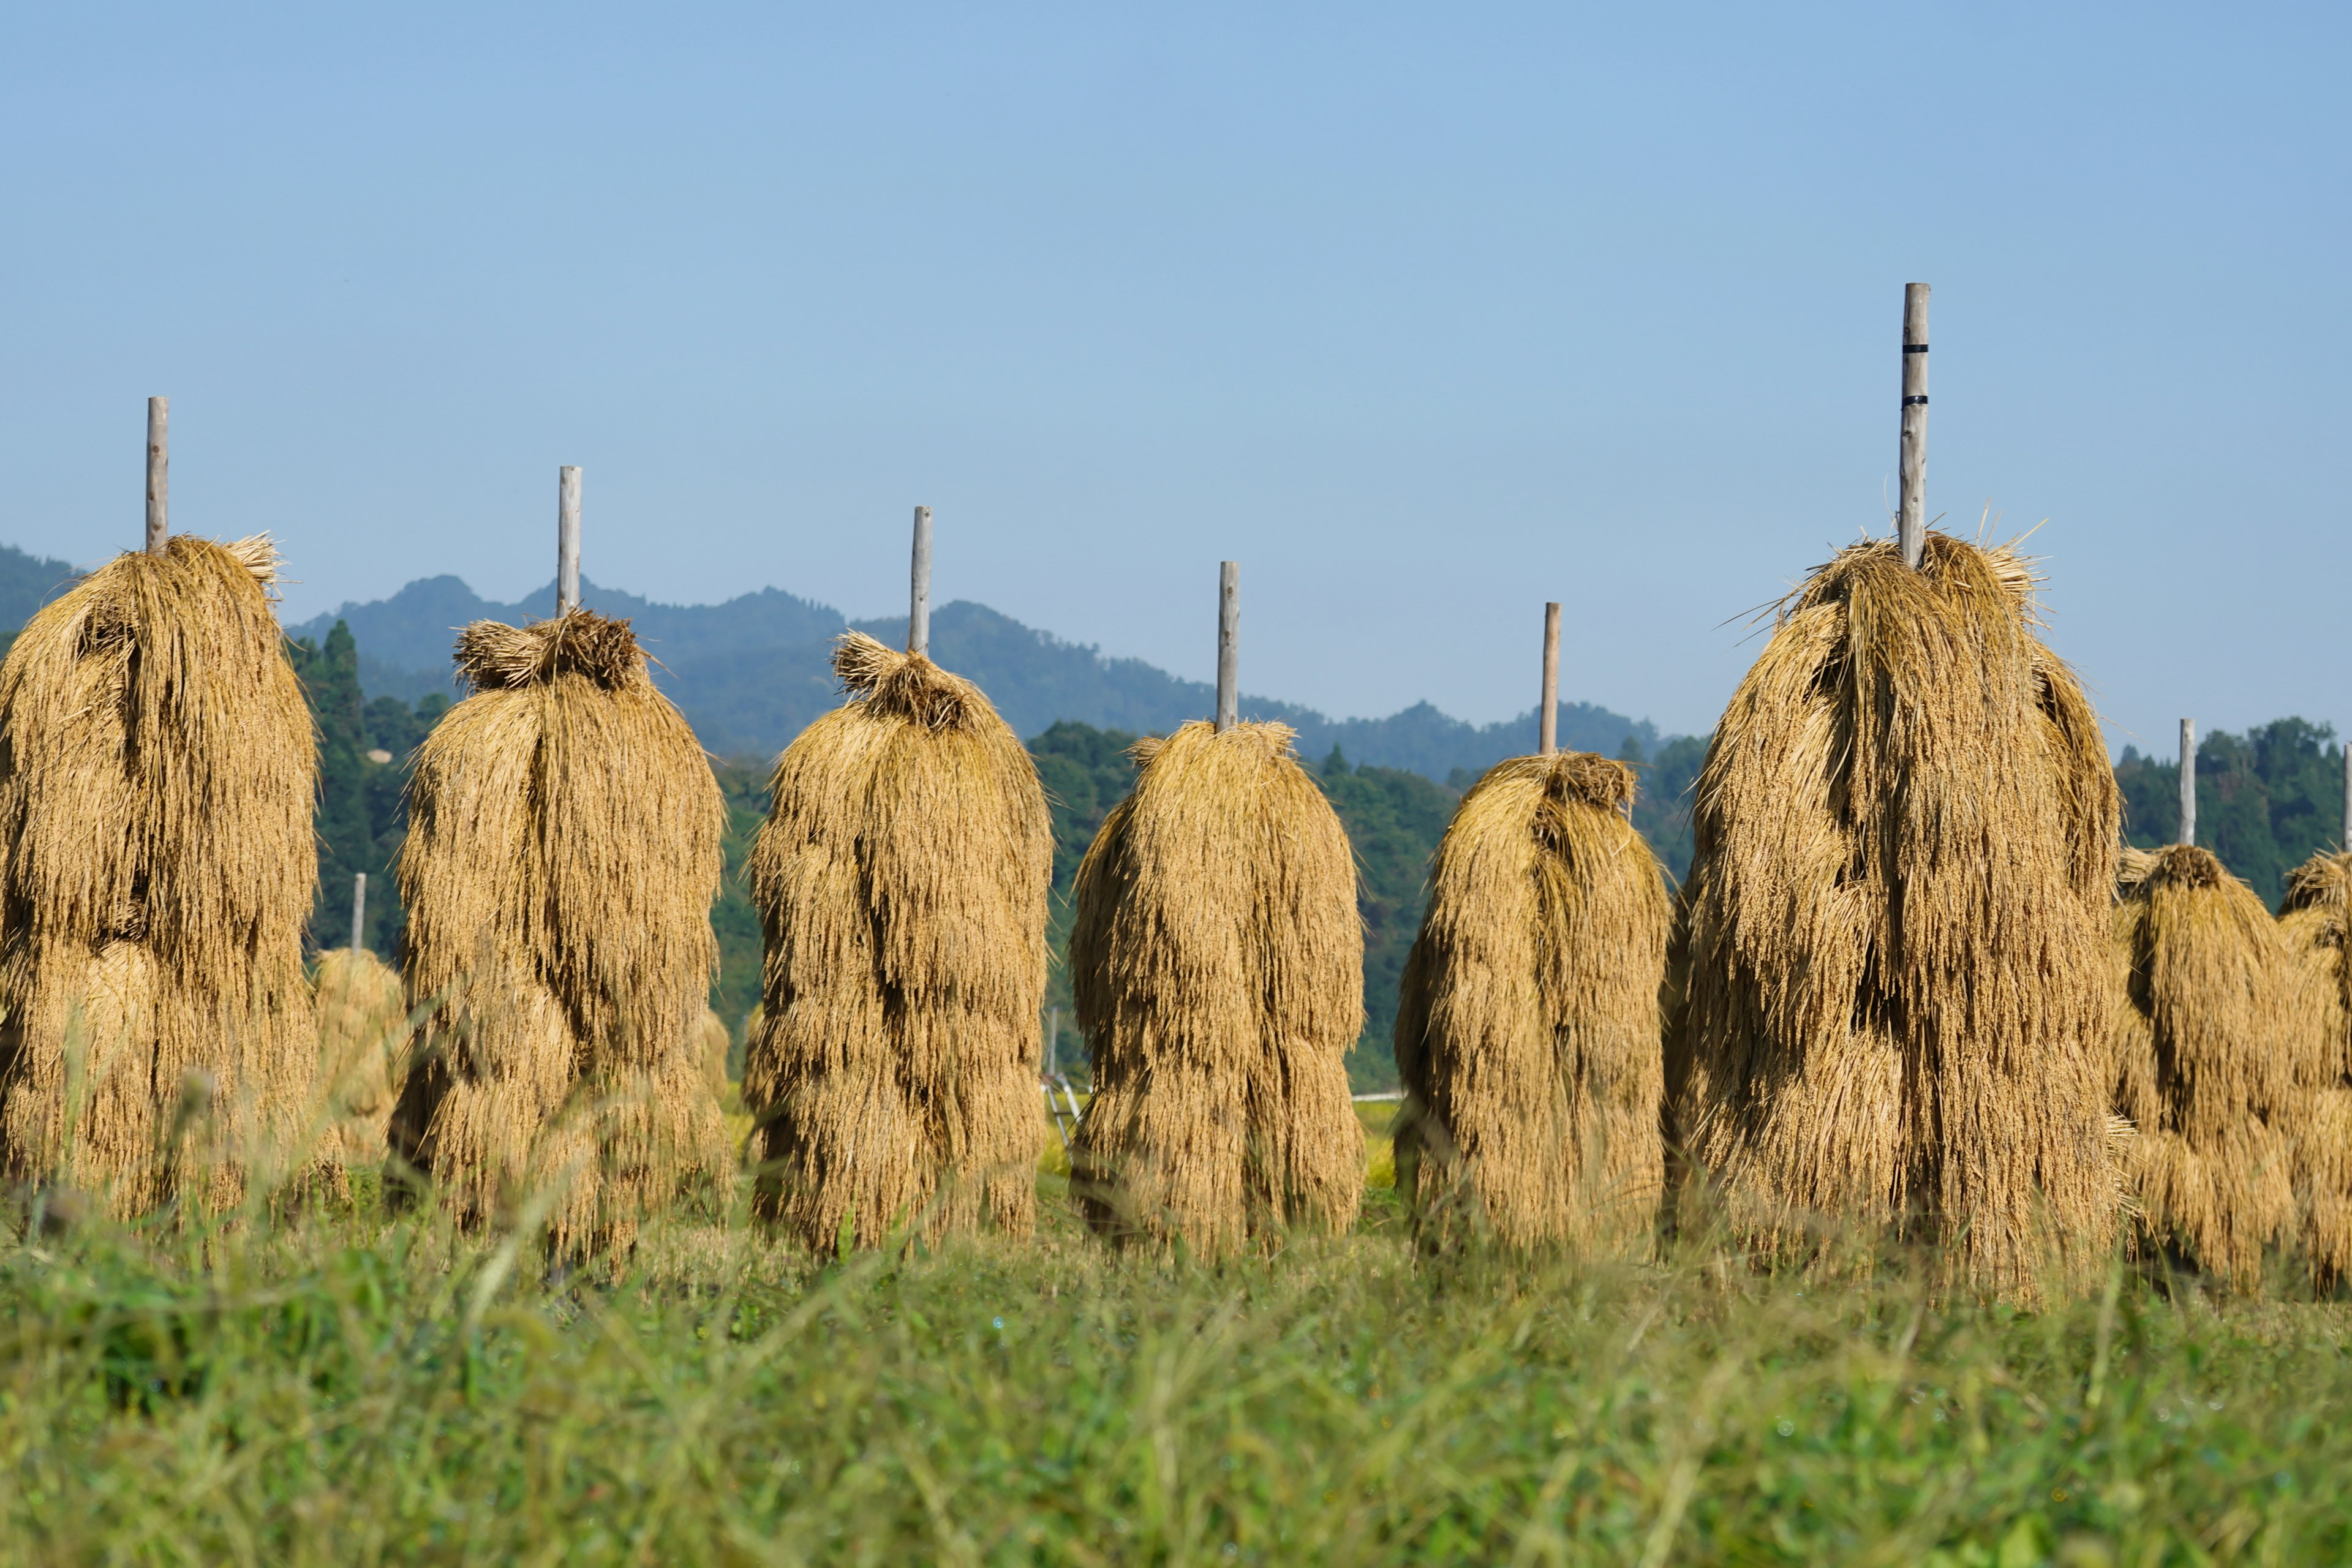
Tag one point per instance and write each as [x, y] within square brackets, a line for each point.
[351, 1389]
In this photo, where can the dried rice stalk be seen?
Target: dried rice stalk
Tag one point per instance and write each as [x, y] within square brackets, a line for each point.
[157, 771]
[562, 855]
[901, 878]
[2311, 921]
[1528, 1033]
[1900, 983]
[715, 1046]
[1217, 960]
[2217, 1048]
[364, 1037]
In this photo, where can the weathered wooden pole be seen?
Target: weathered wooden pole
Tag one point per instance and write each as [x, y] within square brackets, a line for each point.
[159, 472]
[2347, 792]
[1052, 1043]
[1911, 522]
[1229, 644]
[2188, 781]
[919, 605]
[359, 911]
[567, 540]
[1547, 716]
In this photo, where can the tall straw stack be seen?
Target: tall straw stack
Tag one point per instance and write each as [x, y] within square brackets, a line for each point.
[363, 1045]
[2313, 922]
[1527, 1032]
[157, 772]
[562, 859]
[901, 882]
[2217, 1047]
[1900, 984]
[1217, 961]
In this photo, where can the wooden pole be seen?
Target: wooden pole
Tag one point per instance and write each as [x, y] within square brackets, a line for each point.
[1052, 1042]
[1911, 522]
[567, 540]
[2347, 792]
[2188, 781]
[159, 472]
[918, 604]
[1547, 716]
[1229, 644]
[359, 912]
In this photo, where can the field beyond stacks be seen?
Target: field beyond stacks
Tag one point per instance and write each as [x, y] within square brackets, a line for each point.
[349, 1388]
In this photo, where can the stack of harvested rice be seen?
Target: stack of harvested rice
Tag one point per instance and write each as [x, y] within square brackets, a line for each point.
[717, 1045]
[1900, 983]
[1217, 960]
[1528, 1033]
[562, 859]
[2313, 922]
[901, 878]
[2216, 1049]
[157, 772]
[363, 1045]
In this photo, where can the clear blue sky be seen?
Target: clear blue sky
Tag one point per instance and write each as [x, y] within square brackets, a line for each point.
[1426, 314]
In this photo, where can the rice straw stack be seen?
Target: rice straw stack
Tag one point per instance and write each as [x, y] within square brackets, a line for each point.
[1900, 983]
[1528, 1034]
[901, 880]
[2313, 922]
[562, 859]
[157, 774]
[1217, 963]
[2216, 1049]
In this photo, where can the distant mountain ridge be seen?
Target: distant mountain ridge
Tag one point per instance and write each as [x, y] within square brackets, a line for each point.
[752, 673]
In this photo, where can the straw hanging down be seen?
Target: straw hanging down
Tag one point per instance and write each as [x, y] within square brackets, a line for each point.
[562, 859]
[1527, 1032]
[1899, 985]
[2313, 922]
[157, 772]
[1217, 960]
[2218, 1048]
[901, 882]
[363, 1045]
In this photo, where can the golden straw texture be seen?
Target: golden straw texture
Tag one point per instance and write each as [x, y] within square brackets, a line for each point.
[1900, 984]
[363, 1045]
[2312, 921]
[901, 882]
[2216, 1049]
[157, 772]
[714, 1045]
[562, 859]
[1528, 1034]
[1217, 960]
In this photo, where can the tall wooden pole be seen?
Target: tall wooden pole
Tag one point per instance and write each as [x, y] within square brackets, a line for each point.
[1547, 716]
[2188, 781]
[2347, 792]
[918, 604]
[159, 472]
[359, 911]
[1911, 522]
[567, 540]
[1229, 644]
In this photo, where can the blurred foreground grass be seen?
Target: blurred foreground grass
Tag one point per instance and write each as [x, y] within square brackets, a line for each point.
[351, 1389]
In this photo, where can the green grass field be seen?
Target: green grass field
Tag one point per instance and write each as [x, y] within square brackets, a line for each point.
[349, 1388]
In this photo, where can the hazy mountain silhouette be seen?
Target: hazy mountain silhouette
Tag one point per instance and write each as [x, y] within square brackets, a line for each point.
[750, 673]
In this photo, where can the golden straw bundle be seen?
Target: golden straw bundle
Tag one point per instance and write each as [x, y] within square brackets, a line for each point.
[1527, 1032]
[901, 880]
[2217, 1042]
[2313, 922]
[157, 772]
[1217, 961]
[363, 1045]
[562, 859]
[1900, 984]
